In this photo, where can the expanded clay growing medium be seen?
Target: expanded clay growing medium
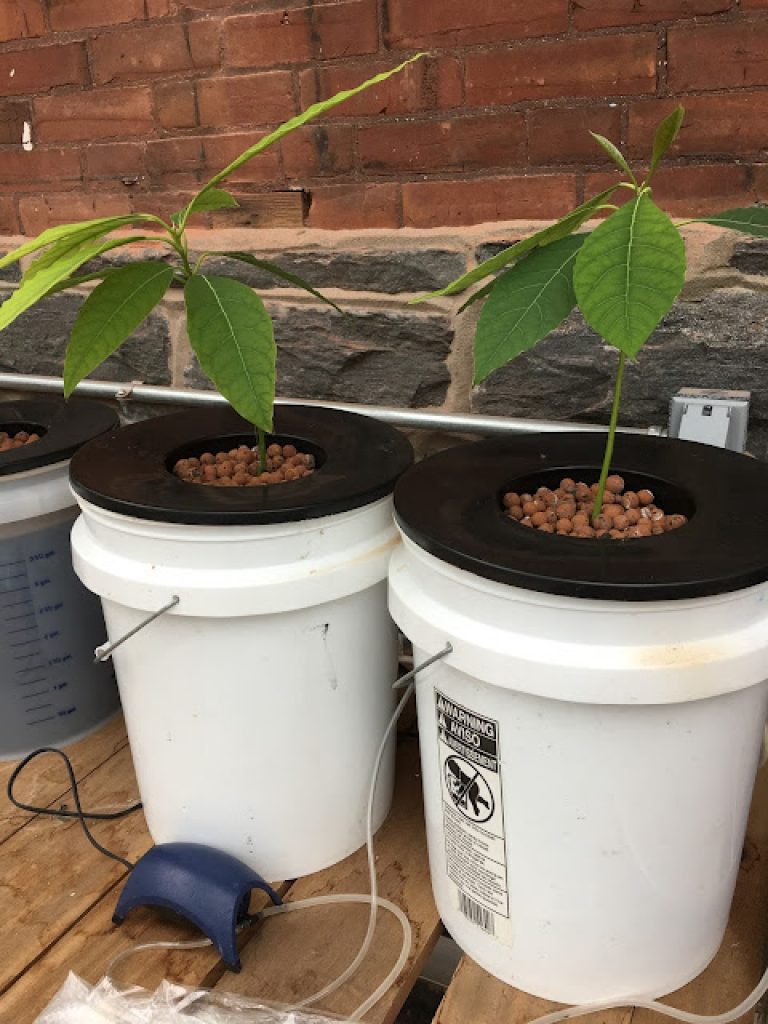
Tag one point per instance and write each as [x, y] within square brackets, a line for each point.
[240, 467]
[568, 510]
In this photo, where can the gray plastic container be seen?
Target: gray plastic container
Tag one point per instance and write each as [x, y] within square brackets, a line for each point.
[51, 692]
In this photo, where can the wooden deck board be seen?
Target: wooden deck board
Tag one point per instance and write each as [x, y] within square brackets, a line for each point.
[57, 896]
[297, 954]
[45, 784]
[51, 876]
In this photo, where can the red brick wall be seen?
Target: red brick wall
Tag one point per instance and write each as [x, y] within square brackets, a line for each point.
[129, 97]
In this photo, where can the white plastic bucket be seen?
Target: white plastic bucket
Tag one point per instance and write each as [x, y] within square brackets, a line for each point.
[587, 763]
[255, 706]
[625, 770]
[52, 693]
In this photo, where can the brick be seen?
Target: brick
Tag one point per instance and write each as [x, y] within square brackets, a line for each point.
[760, 182]
[161, 8]
[21, 19]
[171, 158]
[40, 212]
[345, 30]
[606, 13]
[37, 167]
[139, 52]
[13, 114]
[561, 134]
[101, 114]
[318, 150]
[66, 15]
[9, 221]
[429, 84]
[730, 55]
[175, 104]
[355, 206]
[412, 24]
[221, 150]
[206, 5]
[115, 160]
[599, 66]
[428, 204]
[734, 124]
[754, 5]
[288, 37]
[42, 69]
[262, 99]
[205, 43]
[689, 191]
[461, 144]
[260, 40]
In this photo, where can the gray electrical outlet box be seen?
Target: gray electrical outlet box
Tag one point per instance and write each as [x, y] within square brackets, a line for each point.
[711, 417]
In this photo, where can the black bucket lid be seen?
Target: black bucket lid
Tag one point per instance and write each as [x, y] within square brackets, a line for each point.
[129, 470]
[64, 427]
[451, 505]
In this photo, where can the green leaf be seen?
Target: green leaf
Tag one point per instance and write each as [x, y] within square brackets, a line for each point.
[110, 314]
[481, 293]
[752, 220]
[42, 283]
[560, 229]
[525, 304]
[629, 272]
[62, 249]
[64, 231]
[313, 111]
[231, 334]
[208, 199]
[666, 134]
[285, 275]
[614, 153]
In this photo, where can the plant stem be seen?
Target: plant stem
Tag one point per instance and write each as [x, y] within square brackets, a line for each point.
[598, 504]
[262, 450]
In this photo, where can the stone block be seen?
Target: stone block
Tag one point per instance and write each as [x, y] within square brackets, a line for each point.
[357, 270]
[36, 341]
[371, 357]
[720, 340]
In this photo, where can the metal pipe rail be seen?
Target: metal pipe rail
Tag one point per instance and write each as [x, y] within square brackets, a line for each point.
[411, 419]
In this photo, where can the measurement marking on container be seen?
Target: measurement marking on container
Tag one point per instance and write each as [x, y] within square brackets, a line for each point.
[14, 576]
[32, 682]
[21, 629]
[16, 590]
[39, 707]
[39, 721]
[24, 615]
[30, 668]
[40, 693]
[17, 604]
[7, 565]
[23, 643]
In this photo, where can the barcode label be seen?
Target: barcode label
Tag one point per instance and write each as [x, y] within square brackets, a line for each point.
[476, 913]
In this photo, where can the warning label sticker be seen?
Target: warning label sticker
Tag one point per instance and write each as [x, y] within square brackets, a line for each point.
[473, 815]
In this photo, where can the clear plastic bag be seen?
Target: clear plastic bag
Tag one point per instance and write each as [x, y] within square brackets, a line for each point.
[77, 1002]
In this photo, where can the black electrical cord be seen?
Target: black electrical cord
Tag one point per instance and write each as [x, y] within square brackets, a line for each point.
[79, 813]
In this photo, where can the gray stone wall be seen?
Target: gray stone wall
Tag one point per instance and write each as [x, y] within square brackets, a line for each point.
[385, 351]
